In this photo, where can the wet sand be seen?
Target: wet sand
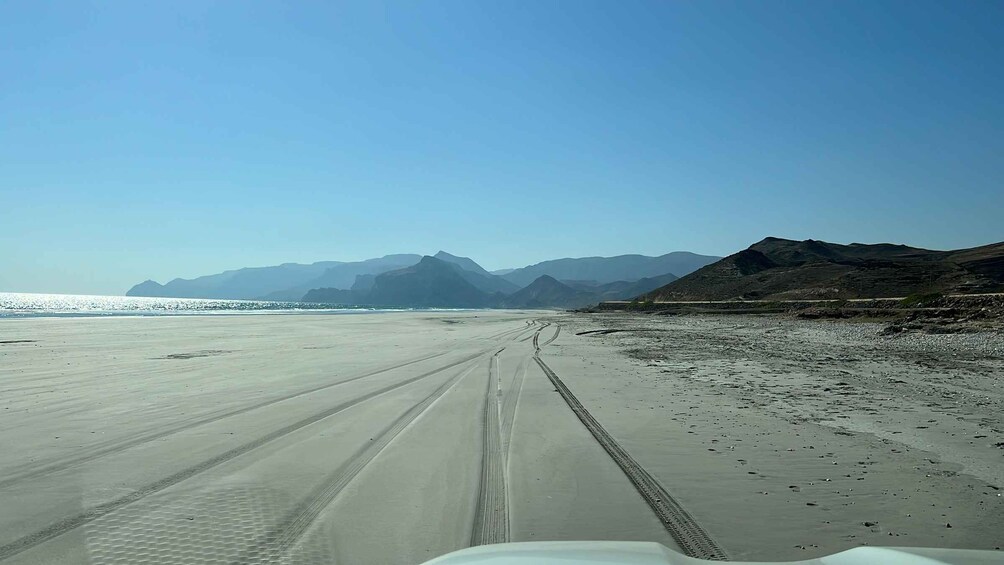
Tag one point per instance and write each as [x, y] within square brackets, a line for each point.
[394, 438]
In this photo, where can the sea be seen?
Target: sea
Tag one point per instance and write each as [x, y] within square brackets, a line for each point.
[28, 305]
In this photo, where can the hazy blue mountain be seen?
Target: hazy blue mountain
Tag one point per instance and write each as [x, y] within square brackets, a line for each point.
[344, 275]
[147, 288]
[335, 296]
[605, 270]
[289, 281]
[500, 272]
[477, 276]
[622, 290]
[586, 285]
[363, 283]
[426, 284]
[548, 292]
[431, 283]
[287, 295]
[247, 283]
[486, 283]
[292, 281]
[465, 263]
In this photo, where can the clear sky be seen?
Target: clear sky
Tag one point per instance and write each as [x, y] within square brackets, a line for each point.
[163, 139]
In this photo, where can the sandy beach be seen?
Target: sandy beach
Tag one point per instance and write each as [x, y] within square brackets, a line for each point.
[791, 439]
[397, 437]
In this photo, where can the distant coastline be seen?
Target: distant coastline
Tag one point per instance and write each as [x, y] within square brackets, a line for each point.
[36, 305]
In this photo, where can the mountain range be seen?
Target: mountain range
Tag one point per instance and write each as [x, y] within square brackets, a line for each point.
[780, 269]
[771, 269]
[248, 283]
[603, 270]
[433, 282]
[443, 280]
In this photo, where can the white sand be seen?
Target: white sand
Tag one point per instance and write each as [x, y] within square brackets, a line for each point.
[364, 439]
[201, 438]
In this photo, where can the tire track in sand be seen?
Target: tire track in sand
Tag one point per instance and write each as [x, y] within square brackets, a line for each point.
[557, 330]
[688, 533]
[491, 517]
[115, 446]
[510, 400]
[62, 526]
[272, 547]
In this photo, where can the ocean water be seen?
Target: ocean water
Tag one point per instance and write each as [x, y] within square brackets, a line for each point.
[26, 305]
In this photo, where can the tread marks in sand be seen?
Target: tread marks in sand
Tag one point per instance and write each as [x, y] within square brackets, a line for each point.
[110, 448]
[510, 399]
[272, 547]
[62, 526]
[687, 532]
[491, 518]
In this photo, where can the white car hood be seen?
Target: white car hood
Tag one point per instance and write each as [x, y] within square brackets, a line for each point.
[647, 553]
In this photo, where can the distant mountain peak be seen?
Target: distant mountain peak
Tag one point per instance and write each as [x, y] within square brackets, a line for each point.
[429, 283]
[545, 280]
[146, 288]
[545, 292]
[477, 276]
[465, 263]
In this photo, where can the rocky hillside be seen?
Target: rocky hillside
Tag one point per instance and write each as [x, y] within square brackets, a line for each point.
[548, 292]
[784, 269]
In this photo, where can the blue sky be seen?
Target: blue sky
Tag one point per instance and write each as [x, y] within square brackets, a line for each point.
[156, 140]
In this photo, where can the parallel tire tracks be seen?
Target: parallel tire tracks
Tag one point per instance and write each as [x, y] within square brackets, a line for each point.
[62, 526]
[519, 335]
[509, 401]
[122, 445]
[688, 533]
[271, 547]
[557, 330]
[491, 518]
[507, 332]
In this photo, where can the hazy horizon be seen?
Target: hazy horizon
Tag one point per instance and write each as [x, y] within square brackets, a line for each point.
[165, 141]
